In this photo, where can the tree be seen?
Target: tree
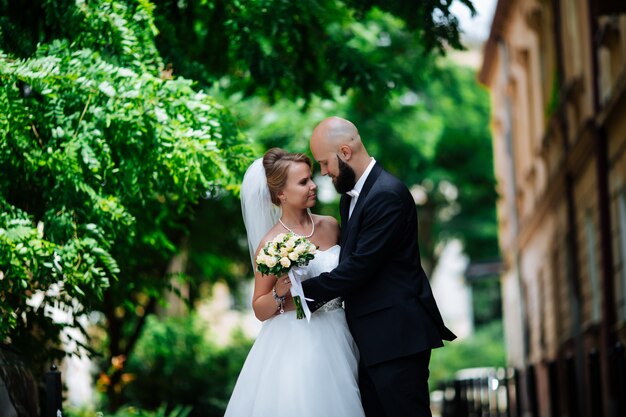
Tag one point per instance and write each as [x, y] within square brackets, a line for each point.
[271, 48]
[104, 158]
[297, 49]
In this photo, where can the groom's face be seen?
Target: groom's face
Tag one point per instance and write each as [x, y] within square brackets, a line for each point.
[326, 154]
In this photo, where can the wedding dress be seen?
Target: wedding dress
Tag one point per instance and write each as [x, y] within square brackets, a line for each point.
[300, 369]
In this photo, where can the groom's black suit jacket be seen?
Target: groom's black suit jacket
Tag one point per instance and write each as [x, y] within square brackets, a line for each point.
[389, 304]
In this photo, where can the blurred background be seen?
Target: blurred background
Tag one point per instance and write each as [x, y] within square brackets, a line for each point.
[126, 127]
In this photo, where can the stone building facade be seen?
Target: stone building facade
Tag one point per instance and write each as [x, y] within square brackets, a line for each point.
[556, 70]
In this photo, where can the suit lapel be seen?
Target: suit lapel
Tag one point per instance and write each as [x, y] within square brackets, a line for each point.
[371, 179]
[344, 211]
[348, 227]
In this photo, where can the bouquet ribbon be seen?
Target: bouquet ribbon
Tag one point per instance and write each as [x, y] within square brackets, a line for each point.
[298, 294]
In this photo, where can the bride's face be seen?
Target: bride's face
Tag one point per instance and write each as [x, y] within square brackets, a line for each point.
[300, 190]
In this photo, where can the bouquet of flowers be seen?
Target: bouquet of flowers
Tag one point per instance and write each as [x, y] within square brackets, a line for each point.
[281, 255]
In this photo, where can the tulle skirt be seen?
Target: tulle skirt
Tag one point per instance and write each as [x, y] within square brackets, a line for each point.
[300, 369]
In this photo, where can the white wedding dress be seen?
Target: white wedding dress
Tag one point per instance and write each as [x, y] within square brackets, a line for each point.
[300, 369]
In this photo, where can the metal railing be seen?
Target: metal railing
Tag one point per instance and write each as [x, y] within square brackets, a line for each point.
[19, 393]
[572, 388]
[479, 392]
[54, 393]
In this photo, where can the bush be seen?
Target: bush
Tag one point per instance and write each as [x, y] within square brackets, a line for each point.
[176, 363]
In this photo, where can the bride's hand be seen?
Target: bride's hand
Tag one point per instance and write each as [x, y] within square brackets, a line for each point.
[283, 285]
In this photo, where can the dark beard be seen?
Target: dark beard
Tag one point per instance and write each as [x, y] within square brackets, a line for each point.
[346, 179]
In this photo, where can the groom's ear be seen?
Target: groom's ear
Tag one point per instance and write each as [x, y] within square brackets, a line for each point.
[346, 152]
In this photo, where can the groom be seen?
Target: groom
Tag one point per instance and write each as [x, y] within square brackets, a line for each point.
[389, 304]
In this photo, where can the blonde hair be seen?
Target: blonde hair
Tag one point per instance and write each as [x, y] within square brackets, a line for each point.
[276, 162]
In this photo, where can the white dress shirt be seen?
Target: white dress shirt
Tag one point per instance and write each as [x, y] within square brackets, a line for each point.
[356, 191]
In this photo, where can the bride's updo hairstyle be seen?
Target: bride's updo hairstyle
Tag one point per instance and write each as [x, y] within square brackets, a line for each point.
[276, 163]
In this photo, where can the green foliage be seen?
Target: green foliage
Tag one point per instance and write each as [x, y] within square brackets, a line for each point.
[298, 49]
[465, 158]
[555, 91]
[129, 411]
[175, 363]
[178, 411]
[483, 349]
[104, 161]
[432, 20]
[216, 245]
[270, 48]
[486, 300]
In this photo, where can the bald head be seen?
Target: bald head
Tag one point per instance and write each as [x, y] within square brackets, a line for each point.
[336, 131]
[333, 132]
[335, 137]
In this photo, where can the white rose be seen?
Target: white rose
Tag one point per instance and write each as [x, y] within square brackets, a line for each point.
[291, 243]
[270, 261]
[294, 256]
[271, 250]
[311, 249]
[285, 262]
[284, 252]
[279, 237]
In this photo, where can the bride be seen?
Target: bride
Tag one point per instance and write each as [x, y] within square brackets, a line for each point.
[294, 368]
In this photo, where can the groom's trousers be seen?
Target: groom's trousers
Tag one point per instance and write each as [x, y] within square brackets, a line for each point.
[396, 388]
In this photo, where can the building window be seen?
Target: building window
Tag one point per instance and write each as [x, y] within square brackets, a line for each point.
[592, 266]
[543, 303]
[621, 298]
[611, 56]
[573, 33]
[547, 59]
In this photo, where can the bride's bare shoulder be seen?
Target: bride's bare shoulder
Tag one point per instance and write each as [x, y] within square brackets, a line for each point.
[327, 224]
[328, 221]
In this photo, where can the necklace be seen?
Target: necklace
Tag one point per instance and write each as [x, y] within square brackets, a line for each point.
[307, 236]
